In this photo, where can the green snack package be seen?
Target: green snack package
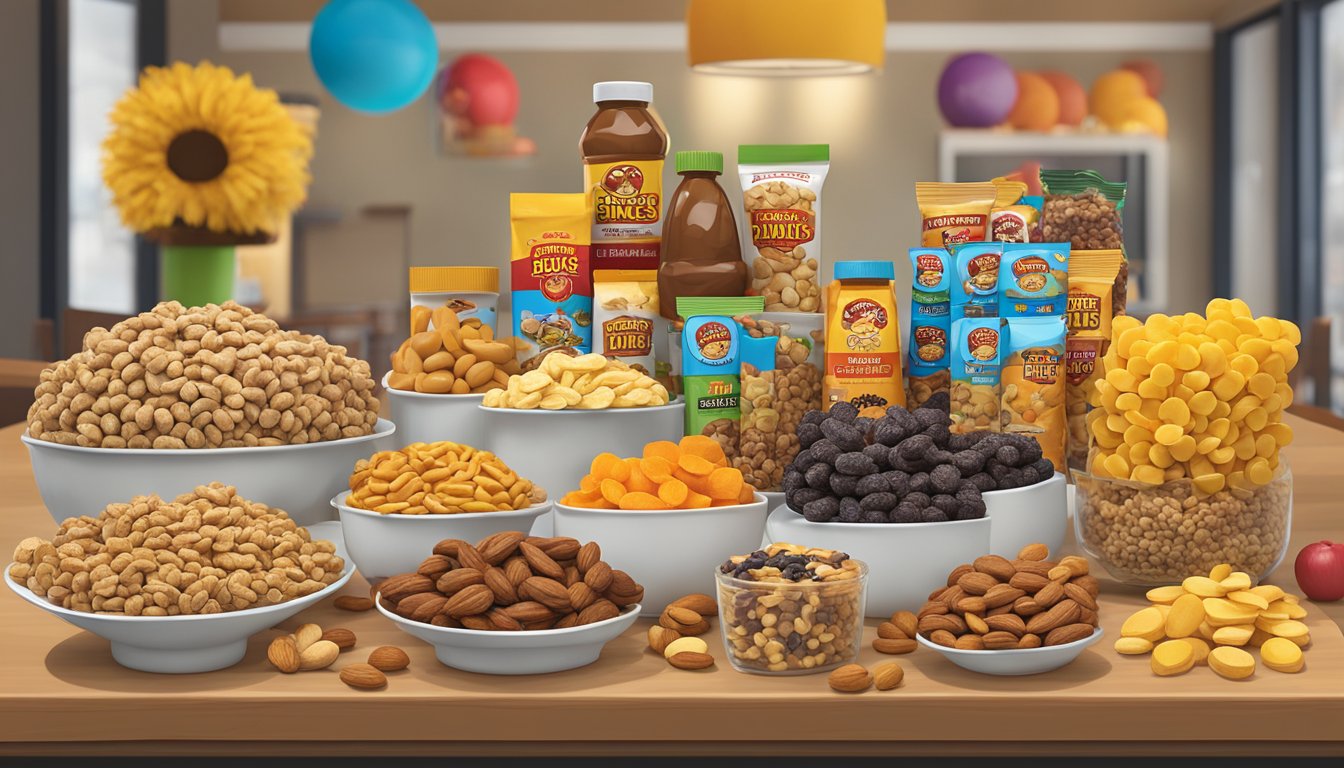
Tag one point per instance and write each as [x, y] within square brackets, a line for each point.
[711, 349]
[1083, 209]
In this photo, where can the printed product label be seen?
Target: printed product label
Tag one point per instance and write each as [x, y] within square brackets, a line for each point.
[782, 229]
[627, 205]
[553, 296]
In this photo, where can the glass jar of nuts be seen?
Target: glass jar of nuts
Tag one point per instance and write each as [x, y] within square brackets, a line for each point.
[1151, 535]
[791, 610]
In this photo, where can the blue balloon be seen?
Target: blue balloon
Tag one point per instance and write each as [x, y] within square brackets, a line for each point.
[373, 55]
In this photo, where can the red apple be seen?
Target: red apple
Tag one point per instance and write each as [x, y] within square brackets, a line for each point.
[1320, 571]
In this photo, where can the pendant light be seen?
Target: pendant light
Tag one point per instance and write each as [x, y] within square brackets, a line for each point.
[786, 37]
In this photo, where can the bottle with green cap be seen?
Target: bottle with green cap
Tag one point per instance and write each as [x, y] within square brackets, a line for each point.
[701, 253]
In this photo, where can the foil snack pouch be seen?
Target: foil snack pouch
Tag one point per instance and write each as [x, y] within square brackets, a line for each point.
[626, 323]
[551, 276]
[951, 214]
[1032, 380]
[1090, 310]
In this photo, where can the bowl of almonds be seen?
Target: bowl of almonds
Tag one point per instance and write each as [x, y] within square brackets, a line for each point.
[513, 604]
[1022, 616]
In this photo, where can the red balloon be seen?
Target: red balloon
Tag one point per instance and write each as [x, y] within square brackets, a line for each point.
[1072, 97]
[480, 89]
[1152, 76]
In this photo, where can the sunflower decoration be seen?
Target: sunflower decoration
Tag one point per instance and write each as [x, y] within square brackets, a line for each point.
[201, 155]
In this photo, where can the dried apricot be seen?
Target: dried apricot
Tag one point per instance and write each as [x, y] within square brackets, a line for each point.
[641, 500]
[696, 464]
[589, 483]
[656, 468]
[613, 491]
[697, 500]
[725, 483]
[704, 447]
[673, 492]
[747, 495]
[602, 464]
[638, 480]
[663, 449]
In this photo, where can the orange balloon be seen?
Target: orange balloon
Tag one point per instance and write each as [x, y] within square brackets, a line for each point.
[1153, 78]
[1111, 94]
[1072, 97]
[1145, 115]
[1037, 107]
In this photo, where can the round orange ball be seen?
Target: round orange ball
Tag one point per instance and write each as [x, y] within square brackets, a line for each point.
[1111, 94]
[1072, 97]
[1151, 73]
[1145, 115]
[1037, 107]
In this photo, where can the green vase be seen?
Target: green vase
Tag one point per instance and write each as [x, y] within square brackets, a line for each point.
[196, 275]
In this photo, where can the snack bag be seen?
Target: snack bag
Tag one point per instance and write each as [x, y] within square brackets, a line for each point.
[976, 349]
[758, 449]
[1033, 279]
[1032, 380]
[930, 324]
[711, 366]
[1012, 219]
[552, 282]
[1092, 277]
[952, 214]
[976, 292]
[863, 338]
[626, 322]
[1083, 209]
[781, 196]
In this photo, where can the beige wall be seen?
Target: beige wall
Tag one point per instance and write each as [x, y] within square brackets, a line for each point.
[882, 131]
[19, 204]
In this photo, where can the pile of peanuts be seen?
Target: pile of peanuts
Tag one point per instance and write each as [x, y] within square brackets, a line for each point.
[795, 388]
[789, 608]
[208, 551]
[787, 279]
[586, 382]
[1088, 221]
[510, 582]
[205, 377]
[457, 357]
[441, 478]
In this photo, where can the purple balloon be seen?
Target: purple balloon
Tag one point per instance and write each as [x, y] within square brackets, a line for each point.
[976, 90]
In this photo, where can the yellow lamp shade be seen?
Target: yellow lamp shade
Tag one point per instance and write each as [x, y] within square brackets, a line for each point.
[785, 37]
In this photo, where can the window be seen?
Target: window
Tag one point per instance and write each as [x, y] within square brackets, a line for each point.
[1332, 181]
[1255, 164]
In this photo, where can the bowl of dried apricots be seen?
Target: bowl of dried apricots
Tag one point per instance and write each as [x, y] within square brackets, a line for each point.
[672, 514]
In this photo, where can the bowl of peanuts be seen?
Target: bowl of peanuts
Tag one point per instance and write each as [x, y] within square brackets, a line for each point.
[430, 491]
[180, 612]
[681, 498]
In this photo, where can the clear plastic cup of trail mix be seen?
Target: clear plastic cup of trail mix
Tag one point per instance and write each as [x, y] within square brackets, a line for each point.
[791, 610]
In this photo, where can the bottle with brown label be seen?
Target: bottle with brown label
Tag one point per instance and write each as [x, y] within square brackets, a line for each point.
[702, 255]
[623, 148]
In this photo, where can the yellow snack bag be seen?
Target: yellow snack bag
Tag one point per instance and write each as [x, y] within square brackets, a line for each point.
[863, 338]
[551, 277]
[954, 213]
[1092, 277]
[1032, 378]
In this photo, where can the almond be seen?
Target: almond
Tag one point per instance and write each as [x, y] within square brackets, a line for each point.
[1079, 595]
[503, 621]
[598, 611]
[570, 619]
[907, 622]
[1002, 594]
[1064, 612]
[529, 611]
[548, 592]
[516, 569]
[435, 566]
[283, 654]
[976, 583]
[1059, 573]
[352, 603]
[457, 580]
[533, 626]
[850, 678]
[888, 631]
[473, 600]
[951, 596]
[932, 608]
[1048, 595]
[691, 660]
[970, 643]
[342, 637]
[445, 621]
[306, 635]
[700, 603]
[998, 609]
[581, 596]
[958, 572]
[887, 676]
[1029, 641]
[999, 640]
[500, 586]
[572, 576]
[421, 607]
[388, 658]
[397, 587]
[1038, 567]
[679, 617]
[976, 624]
[995, 566]
[660, 637]
[589, 555]
[894, 645]
[950, 622]
[1007, 622]
[541, 563]
[363, 676]
[598, 576]
[497, 548]
[971, 605]
[1087, 616]
[1068, 633]
[621, 584]
[622, 601]
[943, 637]
[556, 547]
[470, 557]
[1087, 582]
[479, 622]
[1034, 552]
[1076, 565]
[1025, 606]
[1028, 582]
[448, 547]
[319, 655]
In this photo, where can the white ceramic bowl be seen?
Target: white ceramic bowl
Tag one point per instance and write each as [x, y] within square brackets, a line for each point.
[189, 644]
[386, 545]
[906, 561]
[1035, 514]
[672, 552]
[425, 418]
[300, 479]
[517, 653]
[1016, 661]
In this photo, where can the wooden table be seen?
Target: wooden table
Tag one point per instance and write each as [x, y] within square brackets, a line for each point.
[61, 693]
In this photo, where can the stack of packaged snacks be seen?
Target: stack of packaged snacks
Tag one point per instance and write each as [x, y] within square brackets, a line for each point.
[1092, 276]
[626, 322]
[711, 346]
[781, 198]
[863, 338]
[1035, 279]
[930, 325]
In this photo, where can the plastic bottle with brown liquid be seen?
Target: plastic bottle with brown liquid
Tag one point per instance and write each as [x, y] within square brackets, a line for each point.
[623, 147]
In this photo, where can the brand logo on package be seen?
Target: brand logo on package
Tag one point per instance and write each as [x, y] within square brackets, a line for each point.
[620, 198]
[1031, 273]
[1083, 311]
[555, 265]
[983, 343]
[627, 336]
[1040, 365]
[714, 340]
[784, 229]
[1080, 360]
[930, 343]
[1008, 227]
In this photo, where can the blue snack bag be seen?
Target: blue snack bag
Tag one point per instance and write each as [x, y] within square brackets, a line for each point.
[977, 348]
[1033, 279]
[976, 292]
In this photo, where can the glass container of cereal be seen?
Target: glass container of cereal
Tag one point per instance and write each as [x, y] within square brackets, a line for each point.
[791, 610]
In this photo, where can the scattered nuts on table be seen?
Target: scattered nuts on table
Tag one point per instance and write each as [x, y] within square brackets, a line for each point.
[586, 382]
[342, 637]
[888, 676]
[208, 551]
[352, 603]
[438, 479]
[389, 658]
[363, 676]
[458, 357]
[788, 609]
[692, 474]
[897, 635]
[1000, 604]
[510, 581]
[218, 376]
[851, 678]
[674, 636]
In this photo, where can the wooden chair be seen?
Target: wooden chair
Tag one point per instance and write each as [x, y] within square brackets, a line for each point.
[1315, 364]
